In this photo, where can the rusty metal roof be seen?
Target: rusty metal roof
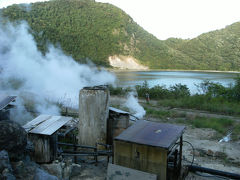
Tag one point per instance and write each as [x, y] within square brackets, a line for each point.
[46, 124]
[152, 134]
[5, 100]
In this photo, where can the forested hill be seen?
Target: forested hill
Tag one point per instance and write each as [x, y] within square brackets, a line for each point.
[86, 29]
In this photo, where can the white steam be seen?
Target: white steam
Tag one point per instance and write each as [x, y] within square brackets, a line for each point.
[45, 80]
[134, 107]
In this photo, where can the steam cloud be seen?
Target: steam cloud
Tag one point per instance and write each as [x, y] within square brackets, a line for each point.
[44, 80]
[134, 107]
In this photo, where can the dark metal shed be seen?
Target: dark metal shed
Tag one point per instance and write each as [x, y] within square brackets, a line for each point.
[151, 147]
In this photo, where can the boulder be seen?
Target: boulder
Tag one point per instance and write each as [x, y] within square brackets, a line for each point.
[43, 175]
[7, 175]
[55, 169]
[13, 139]
[76, 170]
[4, 161]
[24, 170]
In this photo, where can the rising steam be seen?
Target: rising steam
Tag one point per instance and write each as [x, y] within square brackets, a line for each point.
[43, 80]
[134, 107]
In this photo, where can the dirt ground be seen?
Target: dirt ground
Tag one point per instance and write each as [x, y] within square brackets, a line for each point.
[208, 151]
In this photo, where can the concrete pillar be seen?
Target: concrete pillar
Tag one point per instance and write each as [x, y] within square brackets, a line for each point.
[93, 114]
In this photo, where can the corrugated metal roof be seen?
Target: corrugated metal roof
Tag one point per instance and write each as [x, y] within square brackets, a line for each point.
[46, 124]
[5, 100]
[118, 110]
[152, 134]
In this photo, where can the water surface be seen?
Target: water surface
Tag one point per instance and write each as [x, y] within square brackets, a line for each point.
[169, 78]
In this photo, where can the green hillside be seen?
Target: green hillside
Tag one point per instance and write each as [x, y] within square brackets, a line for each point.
[216, 50]
[86, 29]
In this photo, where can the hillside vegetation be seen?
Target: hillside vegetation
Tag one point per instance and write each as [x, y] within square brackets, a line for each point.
[86, 29]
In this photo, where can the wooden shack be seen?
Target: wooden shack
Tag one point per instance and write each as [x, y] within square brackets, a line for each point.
[150, 147]
[5, 106]
[43, 133]
[118, 121]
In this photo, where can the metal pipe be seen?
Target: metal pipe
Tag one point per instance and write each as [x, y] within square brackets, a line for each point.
[75, 145]
[88, 154]
[194, 168]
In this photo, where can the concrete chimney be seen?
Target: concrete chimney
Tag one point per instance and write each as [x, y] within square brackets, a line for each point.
[93, 114]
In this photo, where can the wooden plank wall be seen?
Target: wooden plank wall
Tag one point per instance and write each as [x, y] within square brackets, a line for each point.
[141, 157]
[42, 149]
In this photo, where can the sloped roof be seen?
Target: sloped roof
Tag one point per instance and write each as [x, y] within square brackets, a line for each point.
[118, 110]
[46, 124]
[5, 100]
[152, 134]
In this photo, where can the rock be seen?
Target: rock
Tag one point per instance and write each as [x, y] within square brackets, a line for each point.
[76, 170]
[67, 168]
[210, 152]
[67, 172]
[7, 175]
[200, 152]
[13, 139]
[4, 161]
[43, 175]
[220, 154]
[55, 169]
[196, 153]
[24, 170]
[63, 170]
[68, 161]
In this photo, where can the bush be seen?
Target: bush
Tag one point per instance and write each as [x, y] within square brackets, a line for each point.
[179, 91]
[161, 92]
[119, 90]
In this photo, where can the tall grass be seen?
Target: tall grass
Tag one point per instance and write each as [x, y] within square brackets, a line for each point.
[202, 102]
[221, 125]
[214, 97]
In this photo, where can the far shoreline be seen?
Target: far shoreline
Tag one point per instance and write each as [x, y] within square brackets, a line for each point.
[171, 70]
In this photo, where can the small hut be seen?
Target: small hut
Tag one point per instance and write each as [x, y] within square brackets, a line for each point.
[5, 106]
[43, 132]
[118, 121]
[150, 147]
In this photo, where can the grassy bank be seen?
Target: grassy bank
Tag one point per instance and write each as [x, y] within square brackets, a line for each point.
[221, 125]
[214, 97]
[201, 102]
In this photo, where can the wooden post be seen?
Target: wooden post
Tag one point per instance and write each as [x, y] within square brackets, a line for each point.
[96, 157]
[54, 145]
[75, 148]
[180, 154]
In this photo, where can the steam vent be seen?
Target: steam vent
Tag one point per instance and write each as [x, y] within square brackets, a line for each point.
[93, 114]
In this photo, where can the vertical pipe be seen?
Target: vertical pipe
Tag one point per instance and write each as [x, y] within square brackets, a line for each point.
[180, 154]
[75, 148]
